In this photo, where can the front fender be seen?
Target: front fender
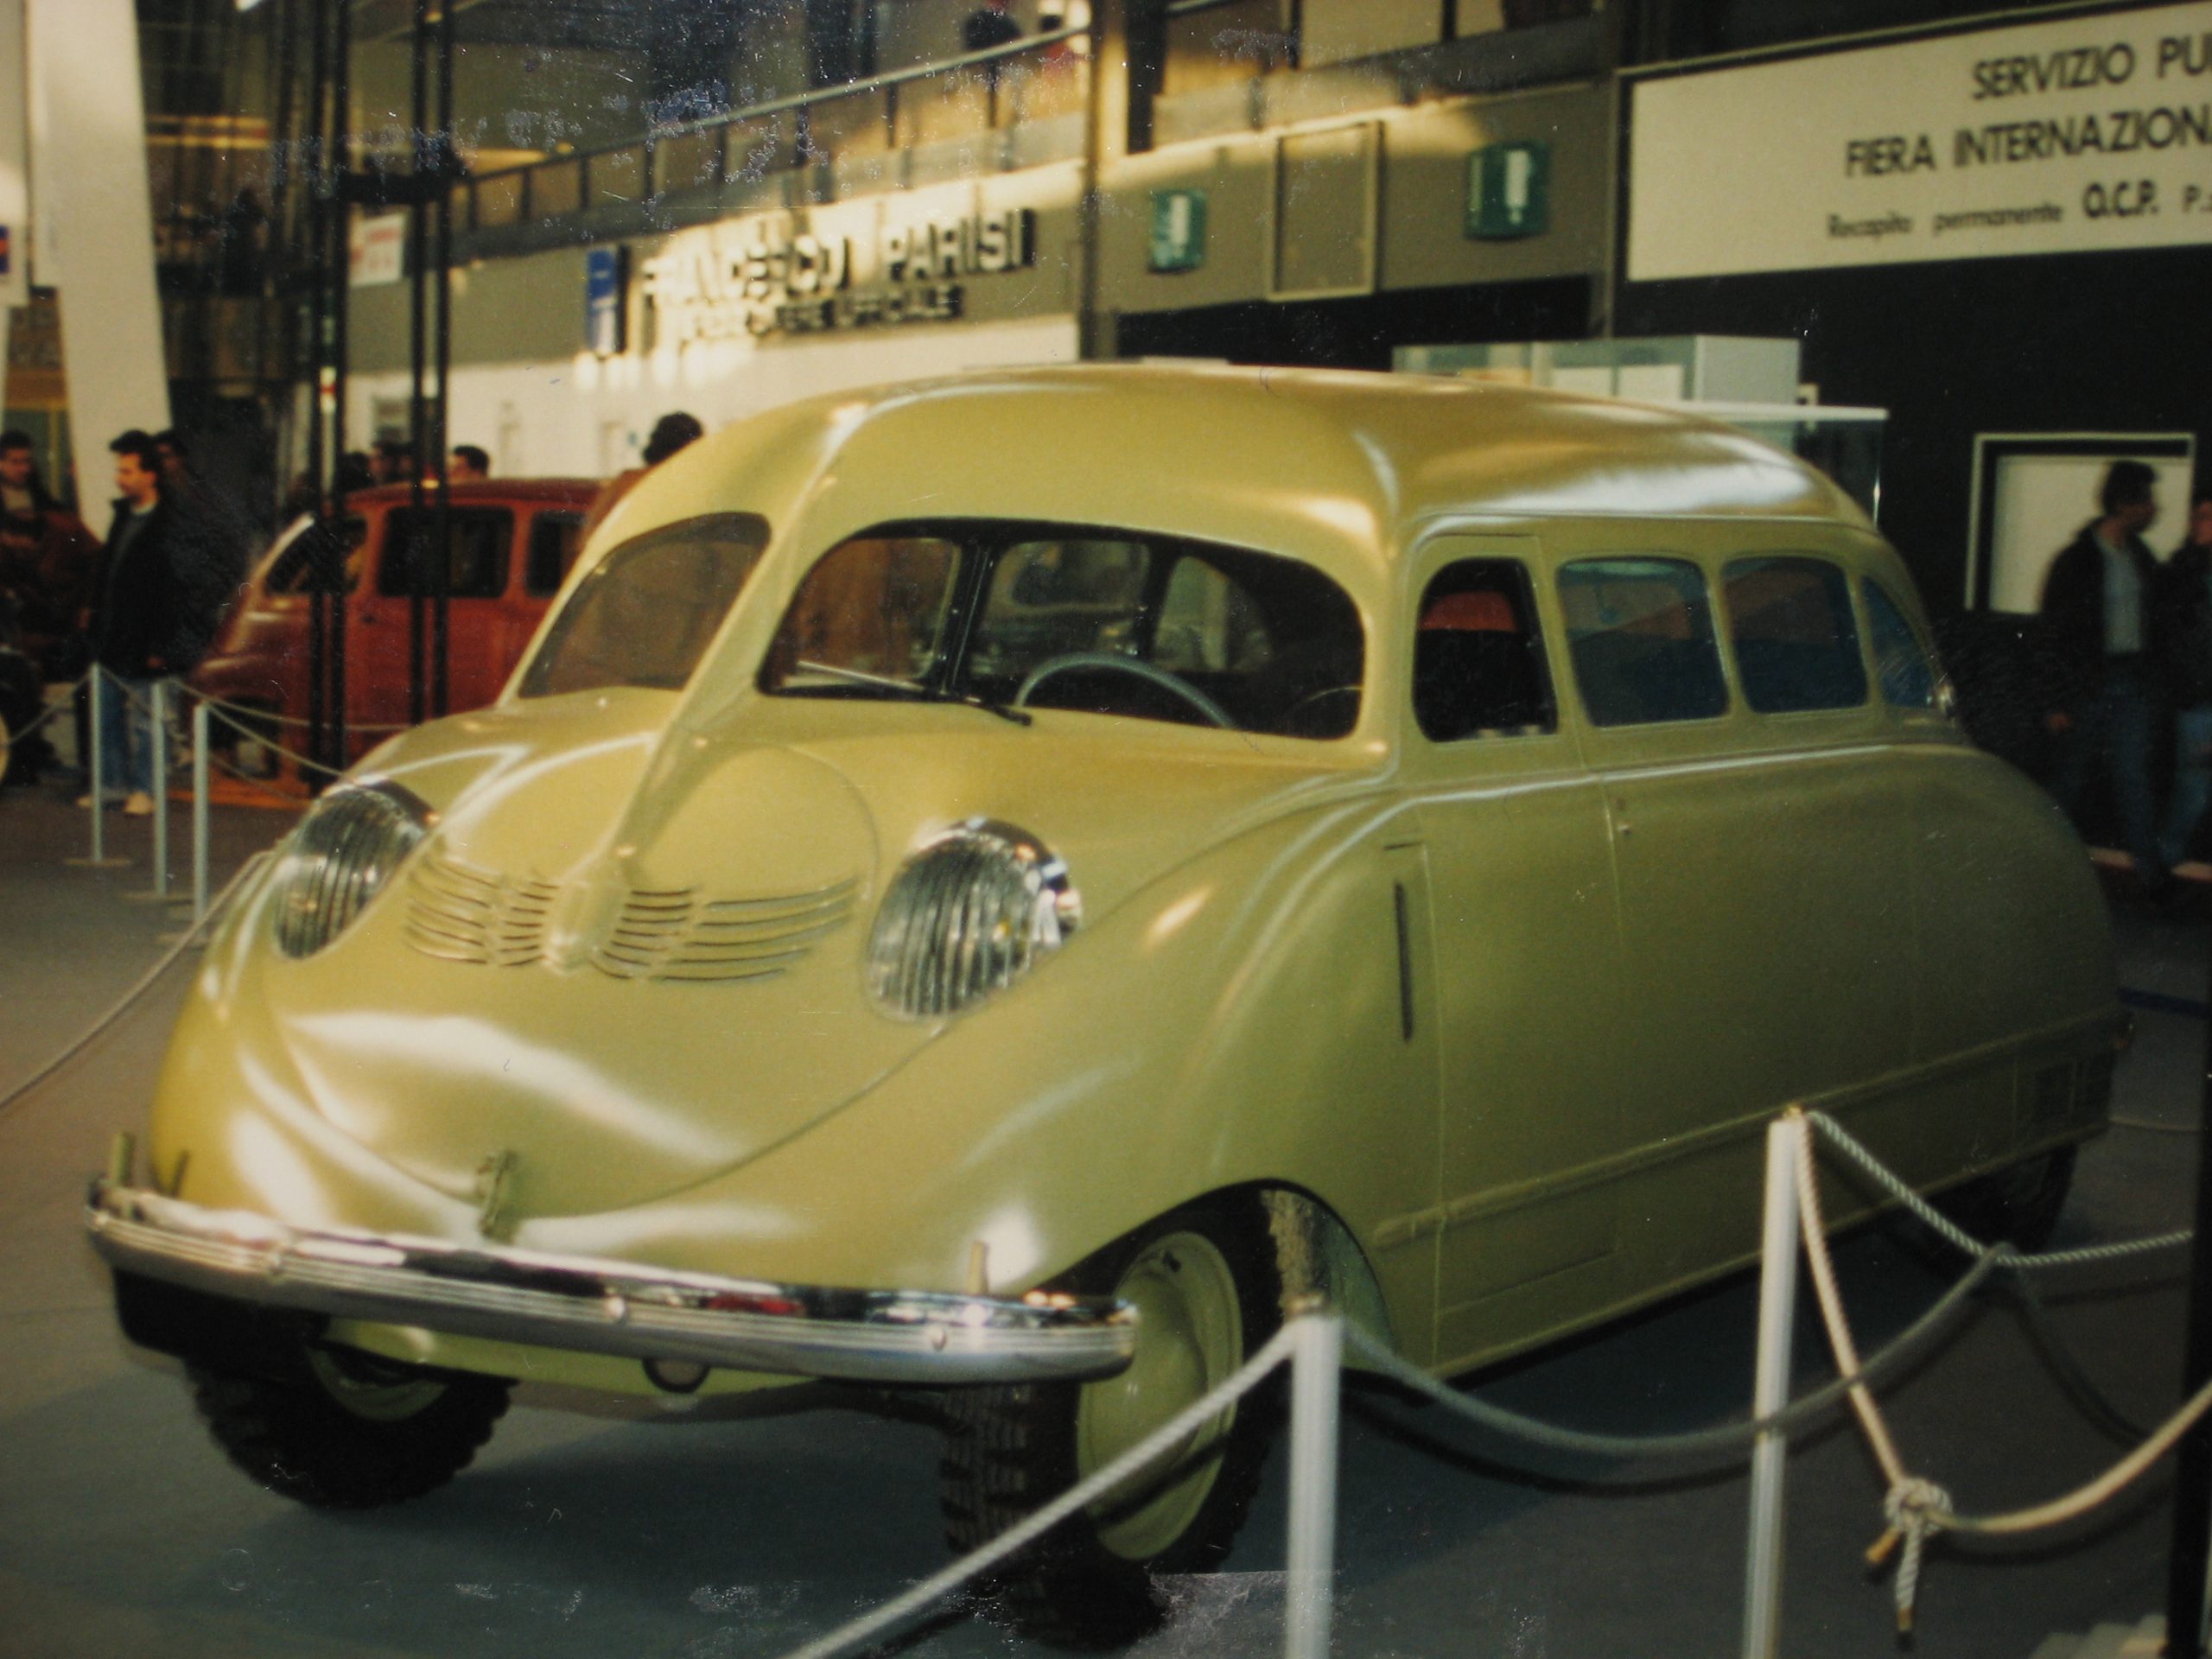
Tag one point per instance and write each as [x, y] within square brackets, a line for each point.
[1242, 1021]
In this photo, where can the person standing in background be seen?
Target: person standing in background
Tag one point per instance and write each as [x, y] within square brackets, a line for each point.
[468, 465]
[139, 624]
[2095, 613]
[2182, 616]
[213, 549]
[674, 431]
[47, 559]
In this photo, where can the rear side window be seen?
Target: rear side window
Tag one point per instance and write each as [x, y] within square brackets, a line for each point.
[1478, 657]
[476, 553]
[644, 614]
[1640, 632]
[555, 538]
[1908, 677]
[1796, 644]
[311, 544]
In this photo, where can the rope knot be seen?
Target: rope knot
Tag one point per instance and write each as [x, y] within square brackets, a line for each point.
[1916, 1509]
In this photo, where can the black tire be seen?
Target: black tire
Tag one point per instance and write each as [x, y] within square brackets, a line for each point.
[1011, 1449]
[352, 1432]
[2017, 1205]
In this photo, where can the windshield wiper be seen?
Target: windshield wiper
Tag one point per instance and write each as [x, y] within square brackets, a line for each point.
[918, 693]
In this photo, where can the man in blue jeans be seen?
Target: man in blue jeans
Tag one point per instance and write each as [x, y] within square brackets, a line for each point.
[141, 623]
[2097, 618]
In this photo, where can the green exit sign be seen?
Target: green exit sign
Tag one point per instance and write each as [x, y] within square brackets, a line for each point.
[1179, 230]
[1509, 191]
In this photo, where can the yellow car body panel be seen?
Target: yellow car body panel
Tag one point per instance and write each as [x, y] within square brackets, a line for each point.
[1511, 1008]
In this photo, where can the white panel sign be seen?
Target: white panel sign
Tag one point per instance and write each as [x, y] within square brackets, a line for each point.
[377, 250]
[2084, 135]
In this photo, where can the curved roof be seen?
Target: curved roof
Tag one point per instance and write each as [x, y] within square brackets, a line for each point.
[1332, 464]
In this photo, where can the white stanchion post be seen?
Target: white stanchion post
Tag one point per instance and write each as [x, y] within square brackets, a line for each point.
[159, 739]
[200, 810]
[1770, 1385]
[1316, 1368]
[98, 789]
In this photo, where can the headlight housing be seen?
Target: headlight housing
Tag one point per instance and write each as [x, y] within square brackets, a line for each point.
[342, 853]
[970, 914]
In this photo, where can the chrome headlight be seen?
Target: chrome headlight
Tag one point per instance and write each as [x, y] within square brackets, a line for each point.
[342, 853]
[970, 914]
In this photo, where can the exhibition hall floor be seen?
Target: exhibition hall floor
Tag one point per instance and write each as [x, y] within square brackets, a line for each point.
[737, 1529]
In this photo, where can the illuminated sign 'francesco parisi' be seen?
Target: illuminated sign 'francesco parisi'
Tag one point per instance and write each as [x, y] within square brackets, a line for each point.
[753, 281]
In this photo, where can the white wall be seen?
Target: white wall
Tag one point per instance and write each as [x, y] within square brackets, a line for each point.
[584, 417]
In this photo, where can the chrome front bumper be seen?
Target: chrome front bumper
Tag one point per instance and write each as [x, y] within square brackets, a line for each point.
[598, 1306]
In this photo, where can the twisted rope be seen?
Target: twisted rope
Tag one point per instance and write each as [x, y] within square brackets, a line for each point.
[192, 936]
[1952, 1233]
[49, 711]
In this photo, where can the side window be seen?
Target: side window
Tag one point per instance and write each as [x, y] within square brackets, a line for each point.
[554, 539]
[292, 571]
[1908, 677]
[476, 553]
[1208, 624]
[870, 611]
[1790, 626]
[1478, 655]
[1055, 598]
[1640, 632]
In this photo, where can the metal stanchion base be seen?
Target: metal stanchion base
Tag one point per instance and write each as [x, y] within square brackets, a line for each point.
[149, 896]
[97, 863]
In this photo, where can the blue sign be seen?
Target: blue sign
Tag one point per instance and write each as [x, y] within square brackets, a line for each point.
[606, 277]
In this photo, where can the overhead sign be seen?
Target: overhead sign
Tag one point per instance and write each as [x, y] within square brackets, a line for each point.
[755, 279]
[1508, 191]
[379, 250]
[2089, 134]
[605, 282]
[1179, 230]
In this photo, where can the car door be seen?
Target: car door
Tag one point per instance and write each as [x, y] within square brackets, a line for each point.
[1526, 958]
[479, 554]
[1760, 839]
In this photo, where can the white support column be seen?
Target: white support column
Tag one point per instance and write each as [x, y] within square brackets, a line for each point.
[159, 736]
[15, 169]
[1771, 1386]
[1316, 1369]
[95, 219]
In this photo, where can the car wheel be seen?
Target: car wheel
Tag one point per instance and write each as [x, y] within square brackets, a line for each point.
[2017, 1205]
[1208, 1294]
[354, 1432]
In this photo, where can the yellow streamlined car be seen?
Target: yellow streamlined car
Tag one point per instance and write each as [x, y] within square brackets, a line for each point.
[993, 884]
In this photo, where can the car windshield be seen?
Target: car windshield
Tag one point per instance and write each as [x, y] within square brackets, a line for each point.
[643, 615]
[1109, 622]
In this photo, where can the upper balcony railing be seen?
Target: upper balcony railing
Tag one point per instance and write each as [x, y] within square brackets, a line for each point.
[970, 103]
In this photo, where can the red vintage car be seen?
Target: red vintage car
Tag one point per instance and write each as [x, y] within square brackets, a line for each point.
[510, 544]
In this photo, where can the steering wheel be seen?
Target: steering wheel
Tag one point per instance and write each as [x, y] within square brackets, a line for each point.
[1213, 712]
[1309, 708]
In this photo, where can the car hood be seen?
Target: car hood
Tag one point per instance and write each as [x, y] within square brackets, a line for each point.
[631, 957]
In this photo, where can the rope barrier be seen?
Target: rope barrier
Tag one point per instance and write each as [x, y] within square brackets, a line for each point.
[1967, 1244]
[1694, 1444]
[192, 936]
[293, 720]
[297, 758]
[1914, 1507]
[52, 709]
[1155, 1446]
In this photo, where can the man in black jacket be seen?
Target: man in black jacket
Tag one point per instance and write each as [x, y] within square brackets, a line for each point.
[142, 624]
[2097, 621]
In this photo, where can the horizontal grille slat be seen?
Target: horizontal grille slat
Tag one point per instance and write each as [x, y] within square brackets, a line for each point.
[461, 913]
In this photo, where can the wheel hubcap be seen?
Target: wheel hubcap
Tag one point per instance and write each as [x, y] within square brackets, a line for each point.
[1190, 1340]
[377, 1393]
